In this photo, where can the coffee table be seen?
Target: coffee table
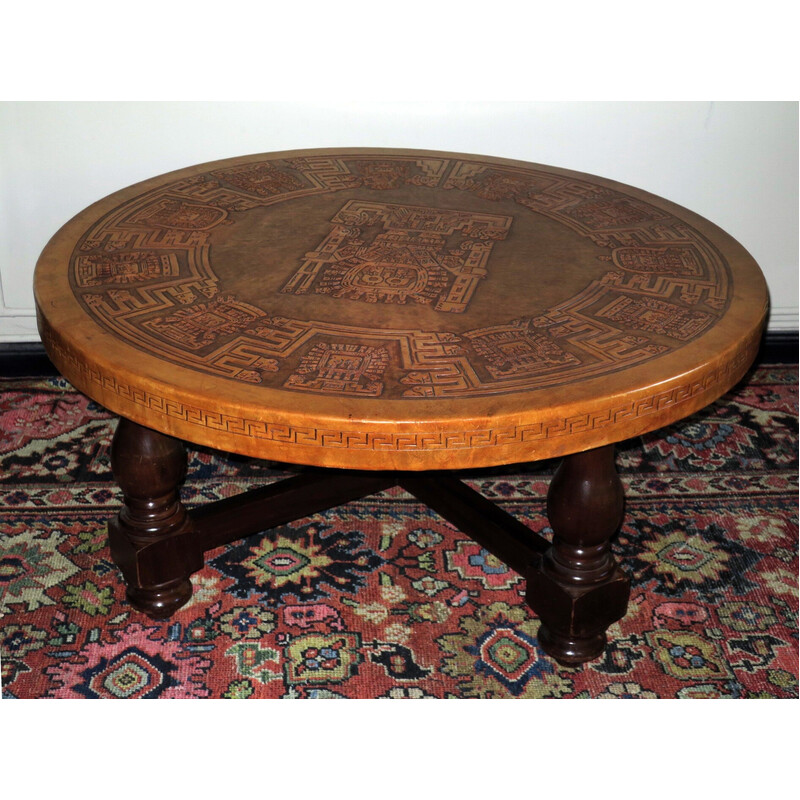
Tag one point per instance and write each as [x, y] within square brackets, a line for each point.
[392, 317]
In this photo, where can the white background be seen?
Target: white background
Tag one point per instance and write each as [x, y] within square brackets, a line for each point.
[735, 163]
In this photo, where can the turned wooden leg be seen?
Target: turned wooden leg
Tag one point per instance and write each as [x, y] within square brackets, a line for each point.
[151, 538]
[578, 589]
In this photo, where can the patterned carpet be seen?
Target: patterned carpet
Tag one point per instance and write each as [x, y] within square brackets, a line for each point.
[383, 599]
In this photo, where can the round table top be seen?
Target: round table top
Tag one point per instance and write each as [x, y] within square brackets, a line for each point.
[396, 309]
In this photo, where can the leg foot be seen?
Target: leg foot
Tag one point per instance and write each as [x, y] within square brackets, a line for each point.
[571, 652]
[152, 538]
[577, 589]
[160, 602]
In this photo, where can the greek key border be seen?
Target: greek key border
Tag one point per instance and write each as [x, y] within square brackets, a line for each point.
[724, 376]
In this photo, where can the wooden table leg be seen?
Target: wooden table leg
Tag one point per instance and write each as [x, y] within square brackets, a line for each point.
[578, 589]
[158, 544]
[151, 538]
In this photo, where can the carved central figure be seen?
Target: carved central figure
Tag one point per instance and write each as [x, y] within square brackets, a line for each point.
[384, 281]
[386, 253]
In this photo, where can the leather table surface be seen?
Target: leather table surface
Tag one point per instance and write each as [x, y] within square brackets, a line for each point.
[397, 309]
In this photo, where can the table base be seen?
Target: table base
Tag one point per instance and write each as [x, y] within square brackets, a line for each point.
[574, 584]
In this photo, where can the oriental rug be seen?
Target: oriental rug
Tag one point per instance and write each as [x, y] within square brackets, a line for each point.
[381, 598]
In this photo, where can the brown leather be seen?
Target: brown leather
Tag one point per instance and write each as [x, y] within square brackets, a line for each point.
[397, 309]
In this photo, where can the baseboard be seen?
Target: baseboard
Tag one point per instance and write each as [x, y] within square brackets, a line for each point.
[29, 359]
[779, 347]
[25, 360]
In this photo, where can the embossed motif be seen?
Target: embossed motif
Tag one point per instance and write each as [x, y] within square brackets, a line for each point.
[261, 179]
[648, 314]
[386, 253]
[145, 271]
[515, 349]
[198, 326]
[169, 212]
[605, 213]
[386, 174]
[338, 368]
[121, 268]
[673, 259]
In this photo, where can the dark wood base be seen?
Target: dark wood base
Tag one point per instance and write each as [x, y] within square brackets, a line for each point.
[577, 588]
[574, 584]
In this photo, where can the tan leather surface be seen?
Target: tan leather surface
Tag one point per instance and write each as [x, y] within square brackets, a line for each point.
[397, 309]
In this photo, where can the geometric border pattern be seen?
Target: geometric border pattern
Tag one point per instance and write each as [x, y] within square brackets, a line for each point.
[144, 272]
[389, 440]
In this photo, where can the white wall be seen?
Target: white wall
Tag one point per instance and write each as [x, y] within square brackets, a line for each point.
[735, 163]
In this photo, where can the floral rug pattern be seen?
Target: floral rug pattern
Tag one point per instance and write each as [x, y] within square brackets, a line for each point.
[381, 598]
